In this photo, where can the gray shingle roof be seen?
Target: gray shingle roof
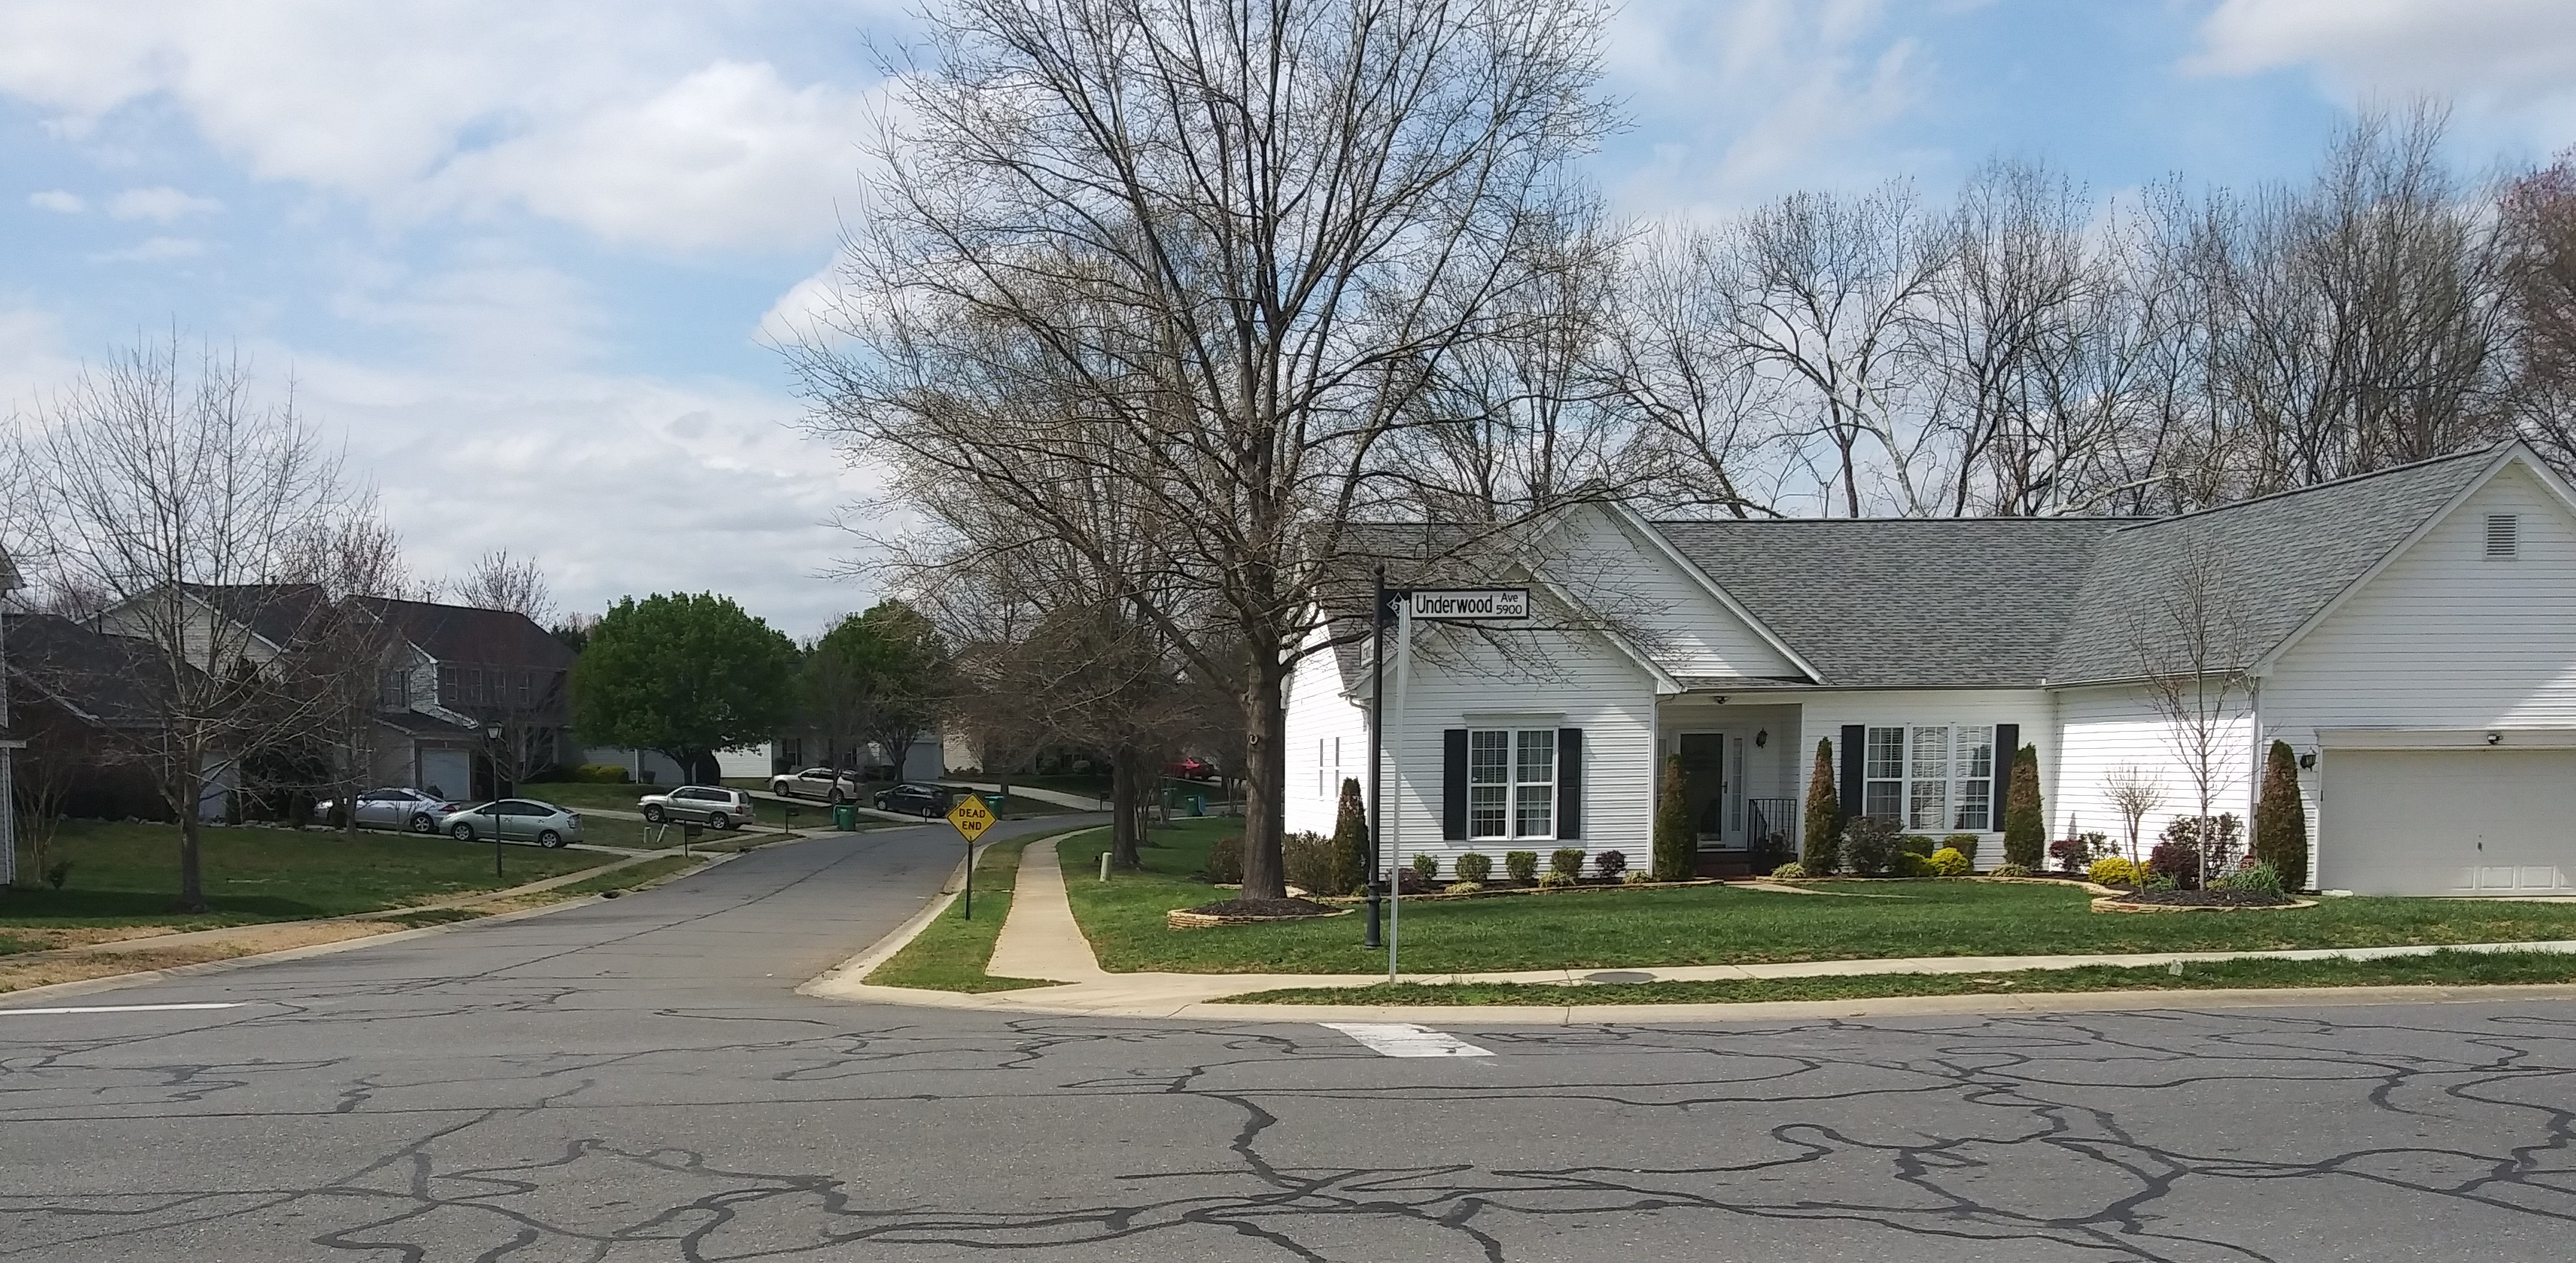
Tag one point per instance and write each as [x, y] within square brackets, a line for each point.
[2280, 559]
[1910, 602]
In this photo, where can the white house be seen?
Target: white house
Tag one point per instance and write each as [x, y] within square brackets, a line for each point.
[2410, 633]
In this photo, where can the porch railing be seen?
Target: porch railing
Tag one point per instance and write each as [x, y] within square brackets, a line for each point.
[1771, 827]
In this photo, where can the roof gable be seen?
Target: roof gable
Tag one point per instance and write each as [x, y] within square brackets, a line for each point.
[465, 633]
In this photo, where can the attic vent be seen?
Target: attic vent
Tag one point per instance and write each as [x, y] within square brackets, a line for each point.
[2503, 532]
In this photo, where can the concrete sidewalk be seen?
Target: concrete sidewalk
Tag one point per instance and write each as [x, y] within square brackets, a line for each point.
[1041, 941]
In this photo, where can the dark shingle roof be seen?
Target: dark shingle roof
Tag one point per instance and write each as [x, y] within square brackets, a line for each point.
[111, 680]
[1911, 602]
[282, 614]
[463, 633]
[2279, 560]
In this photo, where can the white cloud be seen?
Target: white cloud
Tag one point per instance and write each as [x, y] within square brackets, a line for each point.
[59, 201]
[155, 250]
[160, 203]
[2514, 59]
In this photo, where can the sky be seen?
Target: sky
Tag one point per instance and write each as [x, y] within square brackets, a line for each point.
[527, 263]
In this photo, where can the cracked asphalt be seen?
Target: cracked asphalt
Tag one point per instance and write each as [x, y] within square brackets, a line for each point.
[637, 1080]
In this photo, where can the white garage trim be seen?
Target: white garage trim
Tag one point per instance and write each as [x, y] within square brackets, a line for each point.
[2442, 738]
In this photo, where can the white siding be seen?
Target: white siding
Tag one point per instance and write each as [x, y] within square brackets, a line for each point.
[1325, 731]
[1828, 712]
[1667, 612]
[1586, 683]
[2103, 729]
[2445, 637]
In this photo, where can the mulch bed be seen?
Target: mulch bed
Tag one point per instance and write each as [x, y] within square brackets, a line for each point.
[2207, 899]
[1263, 908]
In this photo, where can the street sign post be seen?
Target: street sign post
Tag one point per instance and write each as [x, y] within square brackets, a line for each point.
[970, 817]
[1437, 605]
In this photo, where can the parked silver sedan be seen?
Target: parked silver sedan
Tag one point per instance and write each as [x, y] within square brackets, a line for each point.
[517, 820]
[820, 782]
[394, 807]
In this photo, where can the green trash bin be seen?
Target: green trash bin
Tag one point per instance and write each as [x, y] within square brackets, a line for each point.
[845, 817]
[1198, 804]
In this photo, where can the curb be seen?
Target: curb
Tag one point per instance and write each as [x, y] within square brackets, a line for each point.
[112, 982]
[839, 981]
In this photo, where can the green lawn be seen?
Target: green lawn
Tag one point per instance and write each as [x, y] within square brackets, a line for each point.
[1718, 925]
[128, 874]
[949, 955]
[2452, 969]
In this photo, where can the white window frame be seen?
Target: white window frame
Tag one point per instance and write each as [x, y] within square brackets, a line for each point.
[1920, 768]
[1514, 786]
[1328, 767]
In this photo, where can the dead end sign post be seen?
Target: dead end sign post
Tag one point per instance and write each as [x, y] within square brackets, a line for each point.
[1404, 606]
[970, 818]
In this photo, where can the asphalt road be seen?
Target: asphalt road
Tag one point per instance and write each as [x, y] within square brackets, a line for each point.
[636, 1080]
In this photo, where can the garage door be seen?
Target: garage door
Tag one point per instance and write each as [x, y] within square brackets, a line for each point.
[447, 772]
[2448, 822]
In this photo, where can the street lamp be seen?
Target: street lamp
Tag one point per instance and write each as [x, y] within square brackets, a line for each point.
[492, 751]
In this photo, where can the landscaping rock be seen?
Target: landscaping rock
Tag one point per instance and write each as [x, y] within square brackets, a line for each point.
[1247, 912]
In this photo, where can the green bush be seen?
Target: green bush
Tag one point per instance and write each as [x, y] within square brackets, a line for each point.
[1635, 878]
[1611, 864]
[1225, 860]
[1869, 846]
[1556, 879]
[1350, 842]
[1308, 860]
[1791, 871]
[1426, 867]
[597, 774]
[1464, 887]
[1520, 865]
[1474, 866]
[2010, 870]
[2025, 820]
[1917, 844]
[1909, 864]
[1964, 844]
[2258, 877]
[1676, 845]
[1949, 861]
[2113, 870]
[2158, 881]
[1824, 828]
[2281, 820]
[1567, 860]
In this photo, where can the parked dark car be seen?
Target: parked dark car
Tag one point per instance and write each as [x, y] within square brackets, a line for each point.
[818, 782]
[916, 800]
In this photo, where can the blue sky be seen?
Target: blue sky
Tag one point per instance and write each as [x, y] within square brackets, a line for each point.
[518, 257]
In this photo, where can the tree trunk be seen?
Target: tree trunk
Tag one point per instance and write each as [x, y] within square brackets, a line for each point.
[1126, 797]
[1265, 782]
[192, 882]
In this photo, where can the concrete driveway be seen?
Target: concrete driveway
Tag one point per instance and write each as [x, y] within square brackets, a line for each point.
[637, 1080]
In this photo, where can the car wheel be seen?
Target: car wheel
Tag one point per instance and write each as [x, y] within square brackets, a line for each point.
[654, 813]
[720, 821]
[839, 798]
[461, 831]
[421, 823]
[550, 838]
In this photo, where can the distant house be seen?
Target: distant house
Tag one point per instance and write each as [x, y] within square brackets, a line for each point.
[455, 674]
[82, 705]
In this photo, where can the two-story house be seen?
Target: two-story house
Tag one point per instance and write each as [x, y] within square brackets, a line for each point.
[456, 675]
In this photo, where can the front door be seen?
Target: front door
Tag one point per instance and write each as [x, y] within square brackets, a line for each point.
[1703, 756]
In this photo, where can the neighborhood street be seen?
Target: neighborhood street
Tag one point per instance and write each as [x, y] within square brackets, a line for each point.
[639, 1080]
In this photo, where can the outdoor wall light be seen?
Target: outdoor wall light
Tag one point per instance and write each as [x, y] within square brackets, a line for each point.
[1762, 738]
[2495, 738]
[2308, 761]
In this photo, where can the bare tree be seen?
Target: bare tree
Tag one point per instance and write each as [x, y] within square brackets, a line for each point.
[1205, 260]
[2135, 793]
[2192, 646]
[2538, 214]
[1701, 425]
[500, 581]
[171, 489]
[352, 664]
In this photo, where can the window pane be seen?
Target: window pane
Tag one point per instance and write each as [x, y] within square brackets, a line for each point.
[1975, 798]
[1928, 799]
[1537, 815]
[1538, 757]
[1881, 799]
[1886, 757]
[1489, 757]
[1485, 805]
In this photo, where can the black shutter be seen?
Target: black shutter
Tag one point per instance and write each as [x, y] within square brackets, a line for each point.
[2007, 748]
[1854, 737]
[1569, 784]
[1453, 785]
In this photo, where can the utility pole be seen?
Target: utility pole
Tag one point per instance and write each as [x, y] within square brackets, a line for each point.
[1377, 728]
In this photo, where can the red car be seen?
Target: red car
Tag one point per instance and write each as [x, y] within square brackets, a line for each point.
[1193, 768]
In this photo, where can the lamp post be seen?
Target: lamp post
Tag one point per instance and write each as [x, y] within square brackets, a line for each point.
[492, 750]
[1369, 937]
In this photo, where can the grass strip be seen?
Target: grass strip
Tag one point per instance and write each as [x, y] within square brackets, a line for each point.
[652, 872]
[950, 954]
[2441, 969]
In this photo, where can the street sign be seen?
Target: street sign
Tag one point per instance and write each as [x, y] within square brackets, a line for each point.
[1479, 605]
[971, 817]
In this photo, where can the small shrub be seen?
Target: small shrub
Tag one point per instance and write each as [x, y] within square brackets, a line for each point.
[1427, 867]
[2025, 814]
[1909, 864]
[57, 873]
[2010, 870]
[1964, 844]
[1610, 864]
[1556, 879]
[1309, 860]
[2157, 881]
[2112, 870]
[1824, 823]
[1676, 843]
[2258, 877]
[2281, 820]
[1521, 865]
[1350, 842]
[2226, 836]
[597, 774]
[2069, 854]
[1464, 887]
[1225, 860]
[1634, 878]
[1475, 867]
[1567, 860]
[1869, 846]
[1791, 871]
[1949, 861]
[1917, 844]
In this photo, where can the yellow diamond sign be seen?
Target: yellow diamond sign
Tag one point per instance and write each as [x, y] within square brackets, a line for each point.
[971, 817]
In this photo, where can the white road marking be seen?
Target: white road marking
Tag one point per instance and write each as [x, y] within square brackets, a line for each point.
[119, 1008]
[1404, 1039]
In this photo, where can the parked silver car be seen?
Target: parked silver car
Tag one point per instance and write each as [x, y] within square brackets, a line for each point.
[394, 807]
[715, 806]
[828, 784]
[518, 820]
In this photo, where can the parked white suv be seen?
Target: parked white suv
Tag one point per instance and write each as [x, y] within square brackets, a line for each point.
[715, 806]
[819, 782]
